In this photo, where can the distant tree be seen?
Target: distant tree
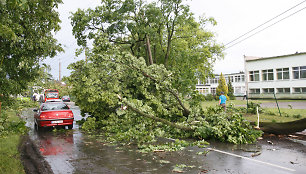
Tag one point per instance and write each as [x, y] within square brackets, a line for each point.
[222, 87]
[230, 89]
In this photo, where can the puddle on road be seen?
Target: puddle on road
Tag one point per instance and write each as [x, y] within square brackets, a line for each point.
[70, 151]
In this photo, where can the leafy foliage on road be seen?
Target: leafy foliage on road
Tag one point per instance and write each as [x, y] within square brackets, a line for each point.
[138, 82]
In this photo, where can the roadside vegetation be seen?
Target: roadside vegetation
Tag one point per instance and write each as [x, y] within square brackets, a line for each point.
[12, 127]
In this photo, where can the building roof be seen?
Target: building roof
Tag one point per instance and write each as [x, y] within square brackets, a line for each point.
[253, 58]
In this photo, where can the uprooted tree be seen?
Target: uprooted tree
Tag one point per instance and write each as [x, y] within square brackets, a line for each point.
[147, 58]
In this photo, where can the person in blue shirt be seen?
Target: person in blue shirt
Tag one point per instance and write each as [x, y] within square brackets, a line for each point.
[222, 100]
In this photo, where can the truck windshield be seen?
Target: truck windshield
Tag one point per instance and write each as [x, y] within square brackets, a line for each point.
[52, 95]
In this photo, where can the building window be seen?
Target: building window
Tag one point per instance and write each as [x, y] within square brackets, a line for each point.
[283, 90]
[299, 90]
[213, 90]
[203, 90]
[282, 73]
[206, 91]
[242, 78]
[237, 90]
[254, 75]
[237, 78]
[299, 72]
[268, 90]
[216, 80]
[267, 75]
[255, 91]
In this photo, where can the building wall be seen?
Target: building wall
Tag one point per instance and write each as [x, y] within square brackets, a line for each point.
[210, 85]
[291, 85]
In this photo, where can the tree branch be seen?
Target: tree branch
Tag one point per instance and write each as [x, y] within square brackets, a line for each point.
[185, 128]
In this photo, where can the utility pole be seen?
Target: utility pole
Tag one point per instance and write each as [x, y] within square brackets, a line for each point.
[59, 74]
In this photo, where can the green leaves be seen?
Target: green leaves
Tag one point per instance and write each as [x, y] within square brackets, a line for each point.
[162, 33]
[26, 37]
[139, 79]
[133, 102]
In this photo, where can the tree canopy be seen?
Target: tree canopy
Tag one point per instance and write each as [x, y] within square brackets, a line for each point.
[163, 32]
[26, 37]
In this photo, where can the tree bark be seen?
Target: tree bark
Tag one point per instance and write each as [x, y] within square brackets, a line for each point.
[283, 128]
[149, 50]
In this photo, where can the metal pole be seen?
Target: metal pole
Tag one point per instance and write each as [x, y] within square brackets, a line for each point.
[277, 104]
[247, 98]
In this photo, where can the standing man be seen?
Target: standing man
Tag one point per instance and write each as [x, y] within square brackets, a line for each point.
[222, 100]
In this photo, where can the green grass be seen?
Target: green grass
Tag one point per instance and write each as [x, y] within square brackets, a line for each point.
[9, 155]
[270, 114]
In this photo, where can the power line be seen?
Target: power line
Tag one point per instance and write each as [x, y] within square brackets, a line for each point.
[265, 23]
[266, 27]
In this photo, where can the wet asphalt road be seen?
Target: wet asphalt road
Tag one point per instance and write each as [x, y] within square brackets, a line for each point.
[71, 151]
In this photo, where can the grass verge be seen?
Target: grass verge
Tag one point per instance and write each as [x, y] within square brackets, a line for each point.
[9, 155]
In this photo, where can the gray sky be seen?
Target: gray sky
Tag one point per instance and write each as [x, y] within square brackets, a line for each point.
[234, 18]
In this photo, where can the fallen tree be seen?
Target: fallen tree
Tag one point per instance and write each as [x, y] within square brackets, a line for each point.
[283, 128]
[151, 55]
[112, 80]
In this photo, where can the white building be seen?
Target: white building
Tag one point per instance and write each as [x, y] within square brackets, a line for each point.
[283, 75]
[211, 84]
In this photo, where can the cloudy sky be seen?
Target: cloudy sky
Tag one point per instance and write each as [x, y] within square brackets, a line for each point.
[283, 35]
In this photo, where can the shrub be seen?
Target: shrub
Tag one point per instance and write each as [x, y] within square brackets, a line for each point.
[209, 97]
[252, 108]
[297, 116]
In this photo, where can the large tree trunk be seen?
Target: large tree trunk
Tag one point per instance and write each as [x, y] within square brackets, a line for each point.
[167, 52]
[283, 128]
[185, 128]
[149, 50]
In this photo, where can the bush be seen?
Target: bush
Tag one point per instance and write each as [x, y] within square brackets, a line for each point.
[209, 97]
[9, 121]
[252, 108]
[297, 116]
[9, 125]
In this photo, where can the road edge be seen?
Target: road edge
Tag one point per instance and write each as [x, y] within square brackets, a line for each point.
[32, 160]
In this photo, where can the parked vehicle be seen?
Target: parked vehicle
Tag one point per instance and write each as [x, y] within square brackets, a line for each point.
[53, 114]
[66, 98]
[51, 94]
[54, 100]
